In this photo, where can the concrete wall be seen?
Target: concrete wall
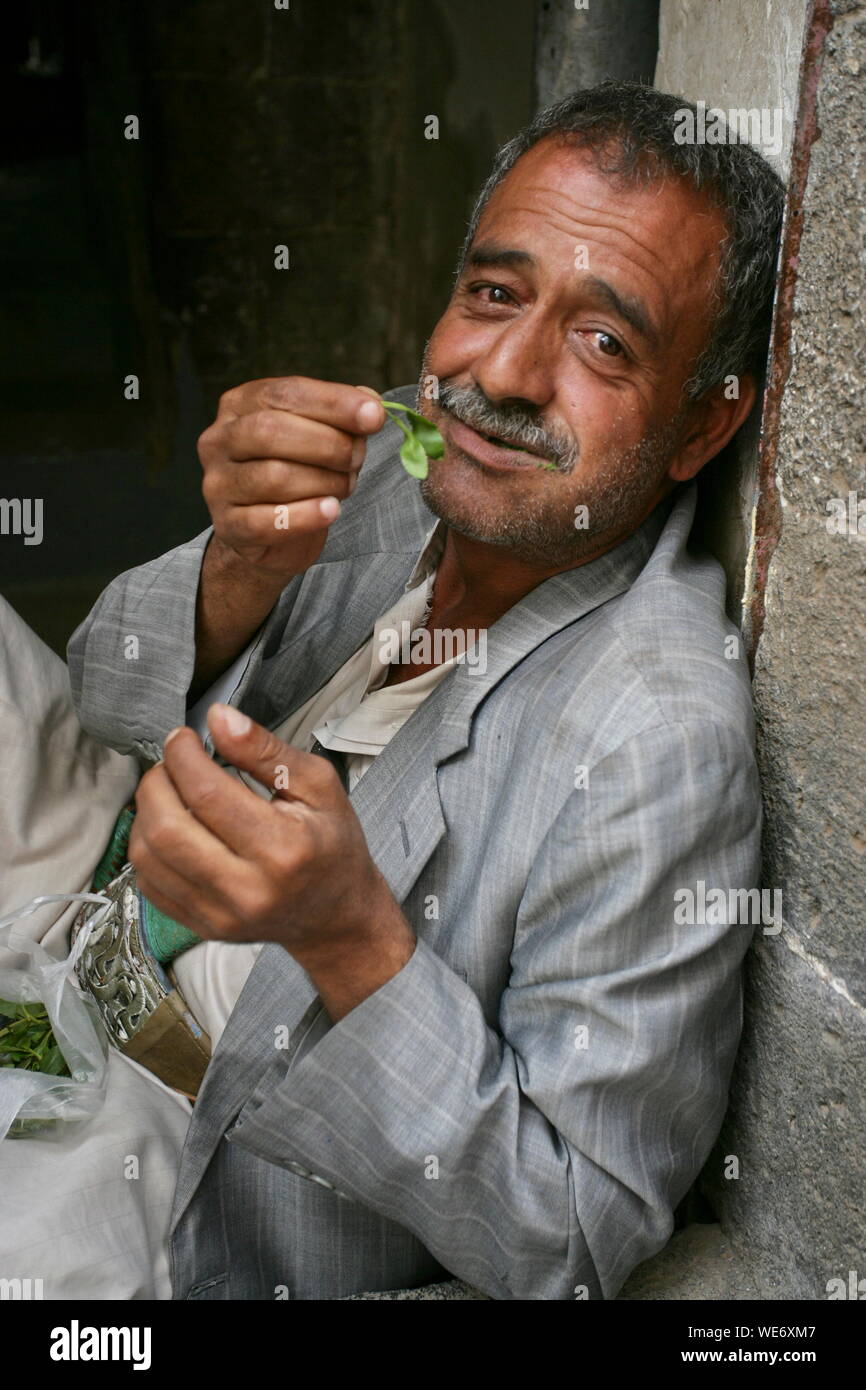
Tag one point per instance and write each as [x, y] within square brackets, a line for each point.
[735, 55]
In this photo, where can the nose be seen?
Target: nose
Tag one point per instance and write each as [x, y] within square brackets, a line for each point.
[517, 367]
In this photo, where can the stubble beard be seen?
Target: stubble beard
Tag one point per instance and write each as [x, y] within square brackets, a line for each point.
[546, 529]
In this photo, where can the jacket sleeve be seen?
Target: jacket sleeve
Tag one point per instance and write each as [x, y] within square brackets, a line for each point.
[131, 661]
[543, 1158]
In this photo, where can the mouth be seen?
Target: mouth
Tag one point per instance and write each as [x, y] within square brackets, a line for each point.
[492, 451]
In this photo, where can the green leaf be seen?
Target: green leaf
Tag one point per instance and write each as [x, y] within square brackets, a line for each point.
[27, 1041]
[414, 457]
[54, 1063]
[431, 440]
[407, 429]
[423, 440]
[11, 1010]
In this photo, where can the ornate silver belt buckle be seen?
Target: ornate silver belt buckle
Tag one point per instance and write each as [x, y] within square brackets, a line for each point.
[139, 1001]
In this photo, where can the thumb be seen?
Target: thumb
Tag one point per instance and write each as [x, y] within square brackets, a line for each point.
[290, 773]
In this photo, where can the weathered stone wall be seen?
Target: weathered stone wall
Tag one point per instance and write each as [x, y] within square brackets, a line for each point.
[796, 1123]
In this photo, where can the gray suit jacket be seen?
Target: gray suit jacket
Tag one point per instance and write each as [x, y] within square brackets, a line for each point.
[523, 1105]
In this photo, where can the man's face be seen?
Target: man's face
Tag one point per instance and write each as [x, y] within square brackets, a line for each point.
[577, 319]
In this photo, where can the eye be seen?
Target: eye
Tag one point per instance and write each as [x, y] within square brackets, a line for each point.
[610, 346]
[476, 290]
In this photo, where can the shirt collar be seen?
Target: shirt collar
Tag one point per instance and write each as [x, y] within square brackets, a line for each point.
[431, 553]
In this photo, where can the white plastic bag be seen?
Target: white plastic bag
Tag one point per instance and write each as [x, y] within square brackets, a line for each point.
[32, 1104]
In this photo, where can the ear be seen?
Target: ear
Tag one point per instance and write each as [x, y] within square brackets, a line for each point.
[713, 420]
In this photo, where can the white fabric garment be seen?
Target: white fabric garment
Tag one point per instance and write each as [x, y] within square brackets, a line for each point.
[87, 1215]
[353, 712]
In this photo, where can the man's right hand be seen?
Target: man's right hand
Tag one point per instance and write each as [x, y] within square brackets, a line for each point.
[277, 461]
[279, 456]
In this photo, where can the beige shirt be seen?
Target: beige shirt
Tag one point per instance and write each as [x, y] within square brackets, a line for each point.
[353, 713]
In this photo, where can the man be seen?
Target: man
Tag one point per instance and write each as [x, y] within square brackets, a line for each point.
[478, 1041]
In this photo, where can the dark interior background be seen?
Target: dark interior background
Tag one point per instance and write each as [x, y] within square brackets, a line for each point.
[155, 257]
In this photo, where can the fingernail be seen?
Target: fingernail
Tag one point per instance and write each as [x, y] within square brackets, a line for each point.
[168, 738]
[353, 483]
[358, 448]
[370, 415]
[330, 507]
[236, 723]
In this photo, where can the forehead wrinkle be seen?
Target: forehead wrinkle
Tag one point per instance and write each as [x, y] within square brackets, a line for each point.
[580, 212]
[573, 231]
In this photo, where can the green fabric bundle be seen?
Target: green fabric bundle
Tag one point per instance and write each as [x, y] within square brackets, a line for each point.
[166, 937]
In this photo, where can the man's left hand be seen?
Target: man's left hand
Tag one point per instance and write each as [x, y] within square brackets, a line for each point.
[216, 856]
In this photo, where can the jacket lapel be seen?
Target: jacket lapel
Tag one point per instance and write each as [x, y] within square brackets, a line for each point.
[397, 800]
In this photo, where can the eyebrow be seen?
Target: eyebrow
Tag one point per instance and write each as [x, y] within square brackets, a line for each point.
[627, 307]
[494, 253]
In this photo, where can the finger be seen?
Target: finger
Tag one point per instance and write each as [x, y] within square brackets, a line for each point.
[272, 480]
[219, 896]
[293, 774]
[266, 434]
[166, 889]
[268, 524]
[184, 908]
[345, 407]
[179, 839]
[237, 400]
[237, 816]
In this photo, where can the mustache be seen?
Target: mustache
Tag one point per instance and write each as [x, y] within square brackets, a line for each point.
[517, 426]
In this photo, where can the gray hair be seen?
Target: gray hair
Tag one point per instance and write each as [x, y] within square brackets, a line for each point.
[628, 128]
